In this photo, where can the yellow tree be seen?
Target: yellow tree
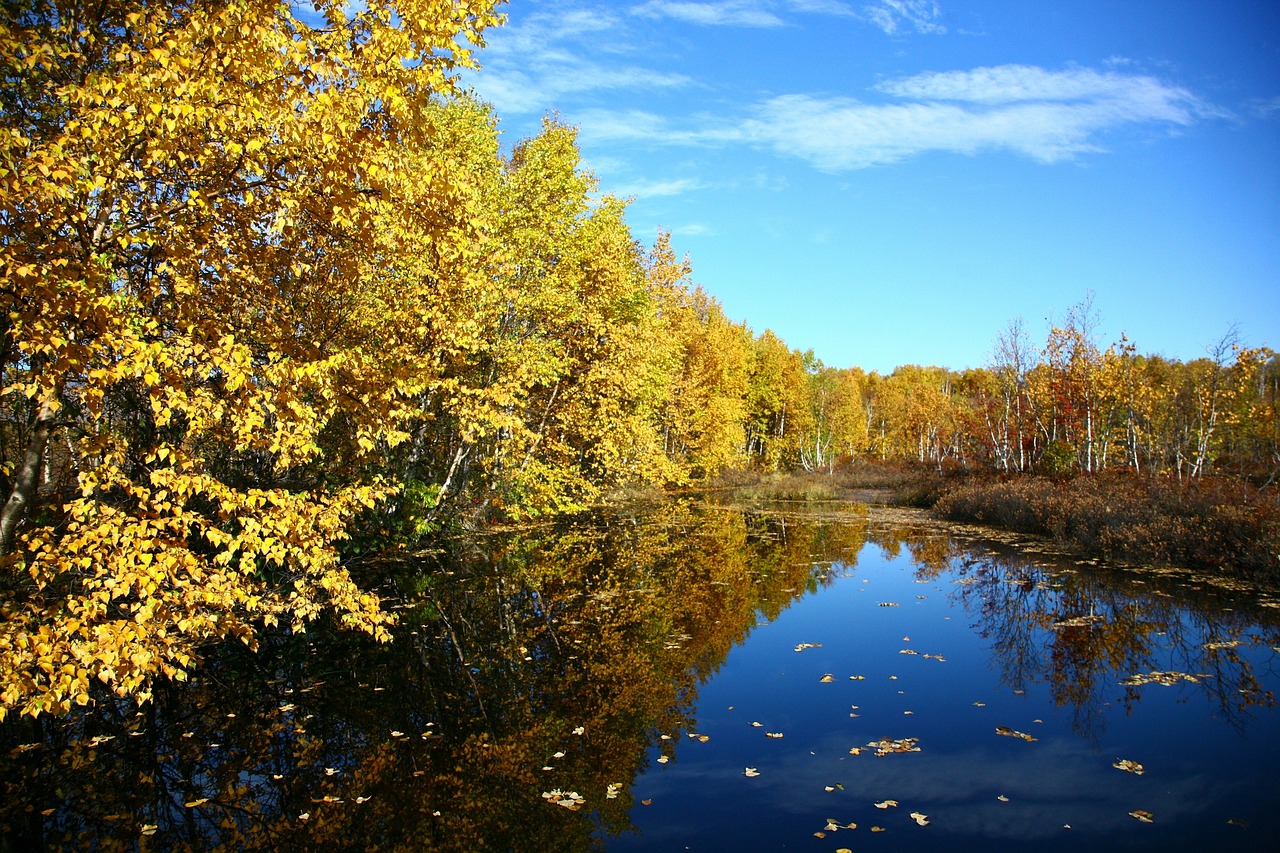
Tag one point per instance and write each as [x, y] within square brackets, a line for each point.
[208, 216]
[703, 422]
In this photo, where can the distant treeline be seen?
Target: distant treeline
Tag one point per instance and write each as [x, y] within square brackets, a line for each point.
[272, 283]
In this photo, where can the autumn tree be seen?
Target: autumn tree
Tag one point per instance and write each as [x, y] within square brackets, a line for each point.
[223, 227]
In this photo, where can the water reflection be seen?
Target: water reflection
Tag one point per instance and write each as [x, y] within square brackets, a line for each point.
[535, 664]
[1082, 631]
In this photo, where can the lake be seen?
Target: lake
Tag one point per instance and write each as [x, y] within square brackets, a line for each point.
[700, 675]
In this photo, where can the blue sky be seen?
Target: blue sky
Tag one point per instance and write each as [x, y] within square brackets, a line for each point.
[892, 181]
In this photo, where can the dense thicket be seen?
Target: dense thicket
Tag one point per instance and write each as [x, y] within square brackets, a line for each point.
[268, 282]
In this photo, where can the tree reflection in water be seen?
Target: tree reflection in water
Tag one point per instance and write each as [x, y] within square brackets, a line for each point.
[1084, 631]
[546, 660]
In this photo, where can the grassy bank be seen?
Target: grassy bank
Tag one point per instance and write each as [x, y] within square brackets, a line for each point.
[1220, 524]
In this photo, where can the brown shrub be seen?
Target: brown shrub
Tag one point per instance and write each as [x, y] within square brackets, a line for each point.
[1221, 524]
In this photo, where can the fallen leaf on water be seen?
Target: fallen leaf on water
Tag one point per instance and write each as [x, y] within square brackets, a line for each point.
[857, 678]
[843, 850]
[827, 678]
[557, 755]
[570, 800]
[193, 803]
[756, 724]
[1143, 815]
[751, 771]
[857, 750]
[662, 759]
[1131, 766]
[877, 829]
[579, 730]
[1168, 679]
[802, 646]
[908, 652]
[304, 816]
[611, 792]
[774, 735]
[884, 804]
[329, 771]
[920, 819]
[362, 800]
[829, 788]
[1002, 798]
[819, 835]
[395, 733]
[1008, 732]
[979, 704]
[888, 746]
[646, 802]
[149, 828]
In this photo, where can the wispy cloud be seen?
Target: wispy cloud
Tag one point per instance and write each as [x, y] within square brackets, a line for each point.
[656, 189]
[528, 69]
[898, 16]
[1045, 115]
[741, 13]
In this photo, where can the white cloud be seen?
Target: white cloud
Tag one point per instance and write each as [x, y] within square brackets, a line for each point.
[1045, 115]
[527, 69]
[1013, 83]
[1048, 116]
[895, 16]
[742, 13]
[656, 189]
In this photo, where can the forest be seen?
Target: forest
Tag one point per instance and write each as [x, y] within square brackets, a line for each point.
[276, 295]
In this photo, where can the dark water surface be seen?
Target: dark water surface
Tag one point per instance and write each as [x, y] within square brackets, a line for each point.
[606, 685]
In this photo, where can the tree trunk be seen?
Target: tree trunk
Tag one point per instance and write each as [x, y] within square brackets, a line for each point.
[27, 479]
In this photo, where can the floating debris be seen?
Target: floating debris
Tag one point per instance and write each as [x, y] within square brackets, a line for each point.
[889, 604]
[1168, 679]
[1008, 732]
[1078, 621]
[570, 800]
[889, 746]
[1143, 815]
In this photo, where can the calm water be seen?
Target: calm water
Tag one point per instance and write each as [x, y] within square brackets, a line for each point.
[607, 684]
